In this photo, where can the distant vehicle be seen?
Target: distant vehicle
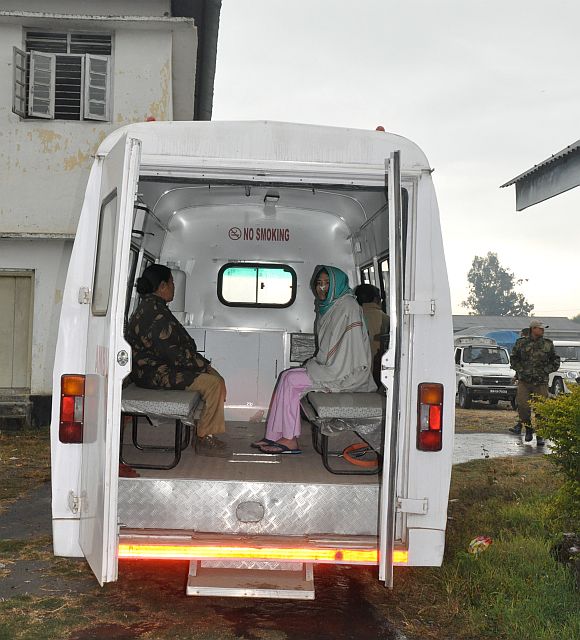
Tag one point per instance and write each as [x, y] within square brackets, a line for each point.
[569, 371]
[483, 372]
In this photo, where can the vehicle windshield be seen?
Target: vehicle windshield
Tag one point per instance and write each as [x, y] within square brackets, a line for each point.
[568, 352]
[485, 355]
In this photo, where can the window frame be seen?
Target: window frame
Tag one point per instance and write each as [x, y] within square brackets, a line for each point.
[257, 266]
[23, 79]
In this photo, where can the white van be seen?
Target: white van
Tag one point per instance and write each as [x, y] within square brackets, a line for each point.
[483, 372]
[218, 200]
[569, 371]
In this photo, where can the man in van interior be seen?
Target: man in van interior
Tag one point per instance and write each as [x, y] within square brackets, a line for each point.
[533, 358]
[165, 357]
[378, 324]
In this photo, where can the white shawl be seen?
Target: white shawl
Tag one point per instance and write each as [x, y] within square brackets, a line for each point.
[343, 359]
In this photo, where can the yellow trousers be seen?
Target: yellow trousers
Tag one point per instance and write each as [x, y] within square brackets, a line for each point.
[212, 388]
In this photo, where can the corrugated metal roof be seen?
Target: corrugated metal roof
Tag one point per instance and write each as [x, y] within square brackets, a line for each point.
[512, 322]
[572, 148]
[559, 327]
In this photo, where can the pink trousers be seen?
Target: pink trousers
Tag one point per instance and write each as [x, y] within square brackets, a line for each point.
[284, 413]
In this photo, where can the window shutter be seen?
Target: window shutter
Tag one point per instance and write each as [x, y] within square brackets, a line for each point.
[19, 82]
[41, 85]
[97, 82]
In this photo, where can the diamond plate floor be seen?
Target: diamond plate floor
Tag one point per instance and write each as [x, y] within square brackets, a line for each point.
[244, 463]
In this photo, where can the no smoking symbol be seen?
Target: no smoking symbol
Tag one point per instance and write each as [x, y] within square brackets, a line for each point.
[235, 233]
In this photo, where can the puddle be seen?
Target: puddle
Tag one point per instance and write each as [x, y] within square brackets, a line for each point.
[339, 612]
[474, 446]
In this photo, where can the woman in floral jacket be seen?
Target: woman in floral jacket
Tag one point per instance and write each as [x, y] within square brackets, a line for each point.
[165, 356]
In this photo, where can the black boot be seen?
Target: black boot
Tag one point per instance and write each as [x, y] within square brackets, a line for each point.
[516, 429]
[529, 434]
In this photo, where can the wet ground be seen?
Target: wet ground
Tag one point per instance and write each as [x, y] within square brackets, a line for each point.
[473, 446]
[343, 609]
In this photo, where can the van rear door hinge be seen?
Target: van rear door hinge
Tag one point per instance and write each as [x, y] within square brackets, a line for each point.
[419, 307]
[74, 502]
[84, 295]
[409, 505]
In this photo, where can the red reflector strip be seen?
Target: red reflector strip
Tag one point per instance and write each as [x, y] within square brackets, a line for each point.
[286, 554]
[435, 418]
[67, 409]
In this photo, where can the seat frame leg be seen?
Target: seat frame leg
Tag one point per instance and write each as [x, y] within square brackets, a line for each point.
[181, 441]
[326, 453]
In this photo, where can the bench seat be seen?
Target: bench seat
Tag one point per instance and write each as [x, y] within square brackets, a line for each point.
[159, 402]
[181, 406]
[333, 413]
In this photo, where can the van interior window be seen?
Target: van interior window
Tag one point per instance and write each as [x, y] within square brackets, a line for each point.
[242, 284]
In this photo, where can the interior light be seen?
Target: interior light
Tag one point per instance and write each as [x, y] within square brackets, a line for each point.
[272, 196]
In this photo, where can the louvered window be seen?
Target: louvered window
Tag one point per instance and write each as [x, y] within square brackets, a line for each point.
[63, 76]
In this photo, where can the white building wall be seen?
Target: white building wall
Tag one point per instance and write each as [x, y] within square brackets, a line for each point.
[44, 164]
[49, 260]
[54, 156]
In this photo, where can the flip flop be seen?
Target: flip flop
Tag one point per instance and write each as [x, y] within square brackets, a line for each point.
[281, 449]
[262, 442]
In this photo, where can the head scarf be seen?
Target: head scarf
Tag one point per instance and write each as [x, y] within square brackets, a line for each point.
[338, 287]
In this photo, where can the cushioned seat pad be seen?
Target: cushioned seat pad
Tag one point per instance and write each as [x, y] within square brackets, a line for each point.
[159, 402]
[347, 405]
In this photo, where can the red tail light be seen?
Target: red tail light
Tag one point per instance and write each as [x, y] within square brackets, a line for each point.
[430, 417]
[72, 407]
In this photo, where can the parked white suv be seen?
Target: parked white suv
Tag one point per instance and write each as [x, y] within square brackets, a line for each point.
[483, 372]
[569, 371]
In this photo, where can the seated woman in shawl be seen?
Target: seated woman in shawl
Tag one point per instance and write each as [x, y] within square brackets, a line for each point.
[165, 357]
[342, 362]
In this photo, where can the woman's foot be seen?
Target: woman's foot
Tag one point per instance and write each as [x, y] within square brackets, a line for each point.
[264, 442]
[283, 445]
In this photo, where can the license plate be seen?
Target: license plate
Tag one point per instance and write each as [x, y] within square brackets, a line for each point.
[500, 392]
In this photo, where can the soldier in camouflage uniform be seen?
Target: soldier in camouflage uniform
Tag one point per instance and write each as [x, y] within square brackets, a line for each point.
[165, 357]
[533, 359]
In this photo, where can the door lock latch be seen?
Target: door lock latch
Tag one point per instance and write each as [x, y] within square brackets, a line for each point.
[122, 357]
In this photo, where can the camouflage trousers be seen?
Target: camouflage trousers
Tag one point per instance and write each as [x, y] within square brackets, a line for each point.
[525, 391]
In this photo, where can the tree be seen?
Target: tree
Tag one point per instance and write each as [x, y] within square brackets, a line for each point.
[576, 318]
[491, 290]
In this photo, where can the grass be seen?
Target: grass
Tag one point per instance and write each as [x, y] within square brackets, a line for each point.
[514, 590]
[482, 418]
[24, 463]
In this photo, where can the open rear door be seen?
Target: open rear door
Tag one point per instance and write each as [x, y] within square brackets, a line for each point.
[108, 359]
[390, 371]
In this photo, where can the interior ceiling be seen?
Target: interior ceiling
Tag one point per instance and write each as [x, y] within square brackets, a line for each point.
[355, 207]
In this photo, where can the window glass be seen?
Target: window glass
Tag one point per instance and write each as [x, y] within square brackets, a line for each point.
[256, 285]
[133, 255]
[568, 352]
[105, 255]
[485, 355]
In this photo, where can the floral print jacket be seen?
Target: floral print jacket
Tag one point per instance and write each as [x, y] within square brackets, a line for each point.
[164, 355]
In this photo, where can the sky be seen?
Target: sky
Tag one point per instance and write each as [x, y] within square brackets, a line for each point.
[487, 88]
